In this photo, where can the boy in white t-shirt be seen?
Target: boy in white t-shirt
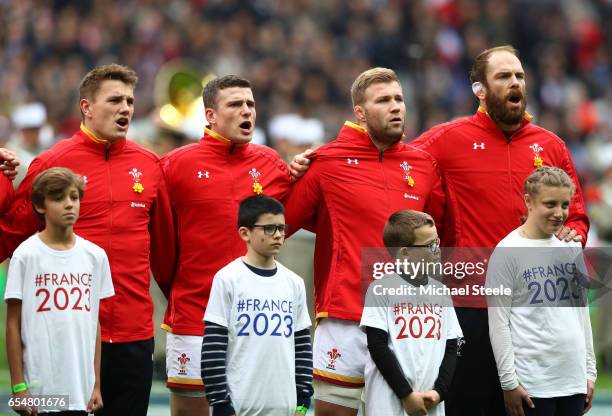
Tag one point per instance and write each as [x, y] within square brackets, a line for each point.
[256, 352]
[541, 332]
[54, 285]
[411, 326]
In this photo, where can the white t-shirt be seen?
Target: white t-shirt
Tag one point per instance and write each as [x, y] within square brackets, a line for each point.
[541, 334]
[419, 324]
[60, 293]
[262, 315]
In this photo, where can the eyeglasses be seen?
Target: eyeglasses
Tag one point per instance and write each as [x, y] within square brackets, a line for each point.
[271, 229]
[433, 246]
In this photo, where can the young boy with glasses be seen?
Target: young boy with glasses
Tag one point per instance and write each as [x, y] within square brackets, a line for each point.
[256, 352]
[411, 328]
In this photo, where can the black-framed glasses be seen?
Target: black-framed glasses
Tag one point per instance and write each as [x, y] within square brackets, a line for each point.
[433, 246]
[271, 229]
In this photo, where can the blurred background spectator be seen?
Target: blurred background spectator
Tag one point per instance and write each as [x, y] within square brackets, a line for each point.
[31, 135]
[302, 56]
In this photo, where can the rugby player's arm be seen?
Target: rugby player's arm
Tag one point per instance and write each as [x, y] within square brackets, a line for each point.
[163, 239]
[577, 219]
[19, 221]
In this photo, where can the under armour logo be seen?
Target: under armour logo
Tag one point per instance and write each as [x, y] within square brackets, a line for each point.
[204, 174]
[85, 180]
[352, 161]
[480, 146]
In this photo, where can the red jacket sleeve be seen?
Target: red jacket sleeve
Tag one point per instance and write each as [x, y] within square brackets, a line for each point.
[6, 193]
[302, 201]
[436, 207]
[163, 239]
[577, 219]
[19, 222]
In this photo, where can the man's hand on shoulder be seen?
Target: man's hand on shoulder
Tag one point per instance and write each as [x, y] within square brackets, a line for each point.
[299, 165]
[568, 234]
[8, 163]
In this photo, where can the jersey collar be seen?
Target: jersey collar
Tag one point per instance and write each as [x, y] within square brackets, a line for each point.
[218, 142]
[89, 139]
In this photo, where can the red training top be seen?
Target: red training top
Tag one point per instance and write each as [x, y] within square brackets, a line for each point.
[207, 180]
[349, 192]
[6, 193]
[125, 210]
[484, 173]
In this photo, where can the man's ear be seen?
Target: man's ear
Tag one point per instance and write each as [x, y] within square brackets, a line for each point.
[479, 90]
[359, 112]
[85, 107]
[211, 115]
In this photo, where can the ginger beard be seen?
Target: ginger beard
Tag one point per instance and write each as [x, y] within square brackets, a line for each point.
[504, 110]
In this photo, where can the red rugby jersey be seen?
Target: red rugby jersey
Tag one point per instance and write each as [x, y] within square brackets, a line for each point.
[349, 192]
[484, 174]
[131, 222]
[206, 181]
[6, 192]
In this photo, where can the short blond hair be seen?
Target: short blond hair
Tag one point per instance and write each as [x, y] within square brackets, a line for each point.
[369, 77]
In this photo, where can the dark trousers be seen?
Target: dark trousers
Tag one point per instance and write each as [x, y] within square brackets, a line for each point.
[67, 413]
[557, 406]
[475, 390]
[126, 377]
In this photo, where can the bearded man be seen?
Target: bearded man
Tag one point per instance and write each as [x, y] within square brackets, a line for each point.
[484, 160]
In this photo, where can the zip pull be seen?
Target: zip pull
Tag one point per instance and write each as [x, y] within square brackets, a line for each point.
[107, 152]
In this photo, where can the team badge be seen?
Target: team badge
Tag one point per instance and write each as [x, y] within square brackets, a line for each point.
[333, 355]
[257, 187]
[136, 176]
[538, 162]
[406, 168]
[460, 343]
[183, 360]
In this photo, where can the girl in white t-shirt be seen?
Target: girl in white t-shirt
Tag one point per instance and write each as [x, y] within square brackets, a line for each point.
[54, 285]
[541, 333]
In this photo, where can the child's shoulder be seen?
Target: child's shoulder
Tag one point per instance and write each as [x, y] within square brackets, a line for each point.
[289, 274]
[90, 247]
[28, 246]
[232, 270]
[513, 239]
